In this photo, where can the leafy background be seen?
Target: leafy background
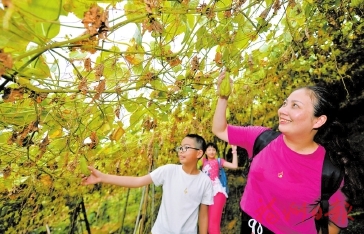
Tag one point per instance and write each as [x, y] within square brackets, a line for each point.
[117, 84]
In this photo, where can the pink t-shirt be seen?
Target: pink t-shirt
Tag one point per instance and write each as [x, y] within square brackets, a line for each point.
[283, 187]
[211, 168]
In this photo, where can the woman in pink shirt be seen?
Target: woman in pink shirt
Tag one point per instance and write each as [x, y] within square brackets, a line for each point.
[284, 183]
[210, 166]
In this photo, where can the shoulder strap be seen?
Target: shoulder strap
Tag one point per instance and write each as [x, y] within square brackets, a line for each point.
[331, 179]
[263, 140]
[218, 160]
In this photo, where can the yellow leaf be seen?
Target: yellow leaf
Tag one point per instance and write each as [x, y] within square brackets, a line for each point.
[46, 180]
[55, 133]
[231, 224]
[117, 134]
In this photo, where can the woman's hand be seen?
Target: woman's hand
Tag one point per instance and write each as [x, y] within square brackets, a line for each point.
[94, 178]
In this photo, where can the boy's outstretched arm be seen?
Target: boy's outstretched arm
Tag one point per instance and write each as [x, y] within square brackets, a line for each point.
[203, 219]
[97, 176]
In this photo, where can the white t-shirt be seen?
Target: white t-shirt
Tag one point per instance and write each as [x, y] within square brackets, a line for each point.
[182, 196]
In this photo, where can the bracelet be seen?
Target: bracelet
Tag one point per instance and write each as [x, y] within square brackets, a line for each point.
[233, 151]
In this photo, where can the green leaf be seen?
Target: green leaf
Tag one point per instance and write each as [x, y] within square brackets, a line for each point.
[15, 32]
[45, 14]
[135, 9]
[77, 54]
[46, 31]
[10, 113]
[4, 136]
[175, 28]
[114, 52]
[130, 106]
[78, 8]
[241, 41]
[287, 37]
[137, 116]
[115, 72]
[163, 116]
[159, 85]
[36, 69]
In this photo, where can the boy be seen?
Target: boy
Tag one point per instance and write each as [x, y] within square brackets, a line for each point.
[187, 191]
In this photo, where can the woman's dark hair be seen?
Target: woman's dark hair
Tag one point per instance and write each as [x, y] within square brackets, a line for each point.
[333, 136]
[213, 145]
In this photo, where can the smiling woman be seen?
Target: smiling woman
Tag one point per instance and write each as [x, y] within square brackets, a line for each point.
[292, 161]
[297, 121]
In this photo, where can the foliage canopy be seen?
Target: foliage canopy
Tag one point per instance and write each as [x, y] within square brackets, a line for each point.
[117, 84]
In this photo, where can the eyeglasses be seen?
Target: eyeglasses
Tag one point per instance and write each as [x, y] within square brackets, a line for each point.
[184, 148]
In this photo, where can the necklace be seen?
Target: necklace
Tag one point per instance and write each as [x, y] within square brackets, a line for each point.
[186, 178]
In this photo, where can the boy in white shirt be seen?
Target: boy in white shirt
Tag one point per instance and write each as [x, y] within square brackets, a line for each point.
[187, 191]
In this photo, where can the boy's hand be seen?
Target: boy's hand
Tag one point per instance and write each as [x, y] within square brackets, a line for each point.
[94, 178]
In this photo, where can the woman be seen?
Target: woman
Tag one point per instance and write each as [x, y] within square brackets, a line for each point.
[211, 168]
[284, 181]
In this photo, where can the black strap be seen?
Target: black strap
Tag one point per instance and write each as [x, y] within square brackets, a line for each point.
[260, 142]
[330, 183]
[331, 178]
[263, 140]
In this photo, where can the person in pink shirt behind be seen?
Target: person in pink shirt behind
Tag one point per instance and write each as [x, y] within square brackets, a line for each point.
[210, 166]
[283, 188]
